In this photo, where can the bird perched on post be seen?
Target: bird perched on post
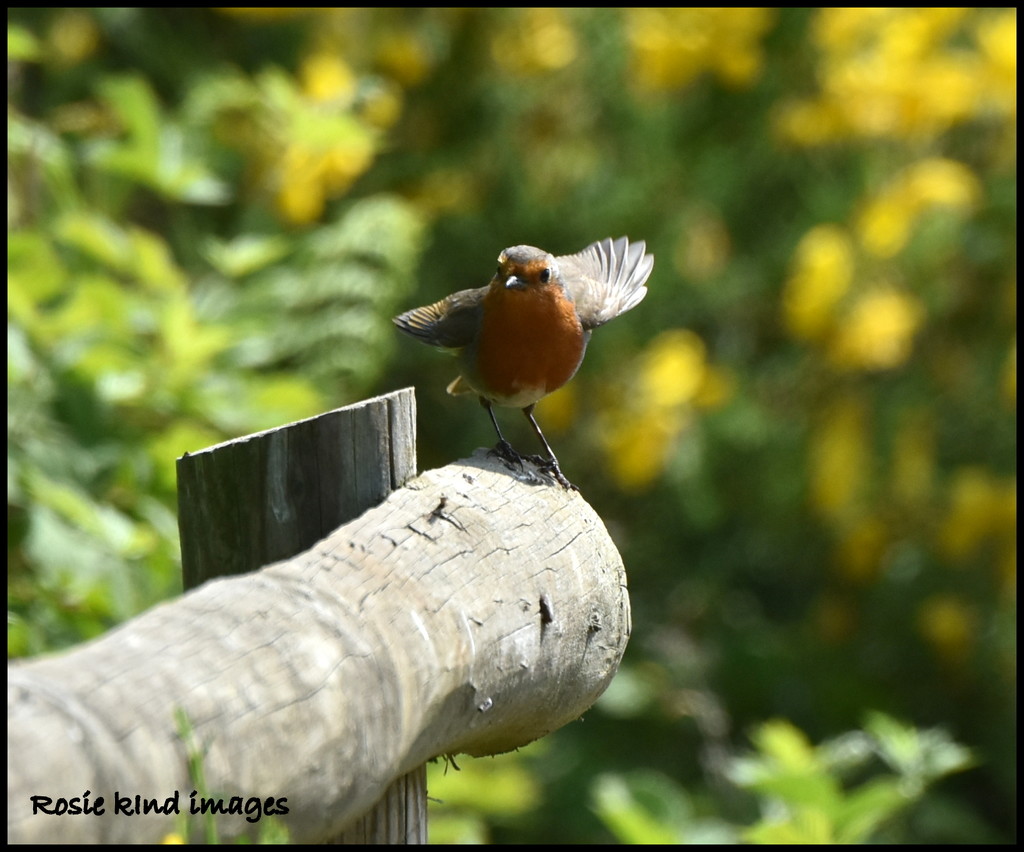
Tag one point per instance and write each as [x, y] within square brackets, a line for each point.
[524, 334]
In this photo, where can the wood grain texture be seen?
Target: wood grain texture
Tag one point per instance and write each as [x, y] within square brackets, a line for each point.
[252, 501]
[470, 612]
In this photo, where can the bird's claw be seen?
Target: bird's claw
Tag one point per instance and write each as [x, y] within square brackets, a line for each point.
[508, 454]
[548, 469]
[536, 460]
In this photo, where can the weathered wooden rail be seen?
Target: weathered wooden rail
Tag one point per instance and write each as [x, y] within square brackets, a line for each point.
[469, 612]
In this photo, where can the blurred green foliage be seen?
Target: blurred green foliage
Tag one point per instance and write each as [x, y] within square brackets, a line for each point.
[803, 441]
[802, 791]
[160, 300]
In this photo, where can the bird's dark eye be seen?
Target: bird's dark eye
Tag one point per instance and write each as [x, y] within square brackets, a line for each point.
[545, 275]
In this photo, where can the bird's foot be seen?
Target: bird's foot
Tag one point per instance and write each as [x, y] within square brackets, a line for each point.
[508, 455]
[550, 468]
[536, 460]
[547, 470]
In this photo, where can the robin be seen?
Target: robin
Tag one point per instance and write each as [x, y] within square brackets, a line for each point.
[524, 334]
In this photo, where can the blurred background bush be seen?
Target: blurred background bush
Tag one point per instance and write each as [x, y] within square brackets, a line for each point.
[803, 441]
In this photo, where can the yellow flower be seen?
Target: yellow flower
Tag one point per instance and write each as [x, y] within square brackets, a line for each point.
[326, 76]
[980, 506]
[345, 161]
[638, 447]
[916, 33]
[943, 182]
[843, 29]
[445, 190]
[73, 37]
[949, 625]
[821, 273]
[839, 457]
[884, 224]
[308, 177]
[663, 58]
[861, 549]
[404, 56]
[382, 105]
[639, 429]
[887, 220]
[535, 41]
[672, 369]
[997, 38]
[300, 197]
[878, 331]
[717, 388]
[903, 73]
[671, 47]
[808, 122]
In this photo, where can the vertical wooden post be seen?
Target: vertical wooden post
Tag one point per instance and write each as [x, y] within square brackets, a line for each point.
[266, 497]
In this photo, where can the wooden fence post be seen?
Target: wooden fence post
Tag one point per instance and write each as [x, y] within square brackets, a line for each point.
[473, 611]
[266, 497]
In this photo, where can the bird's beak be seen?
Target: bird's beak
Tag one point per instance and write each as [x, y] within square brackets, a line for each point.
[514, 283]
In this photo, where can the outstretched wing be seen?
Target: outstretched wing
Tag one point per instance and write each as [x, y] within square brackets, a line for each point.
[451, 323]
[607, 278]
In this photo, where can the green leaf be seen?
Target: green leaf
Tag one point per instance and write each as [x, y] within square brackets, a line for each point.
[486, 785]
[22, 45]
[618, 805]
[35, 274]
[786, 745]
[97, 237]
[135, 104]
[921, 757]
[806, 827]
[154, 151]
[245, 254]
[153, 263]
[867, 807]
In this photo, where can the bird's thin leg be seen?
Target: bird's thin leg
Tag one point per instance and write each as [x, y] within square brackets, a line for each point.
[504, 450]
[550, 464]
